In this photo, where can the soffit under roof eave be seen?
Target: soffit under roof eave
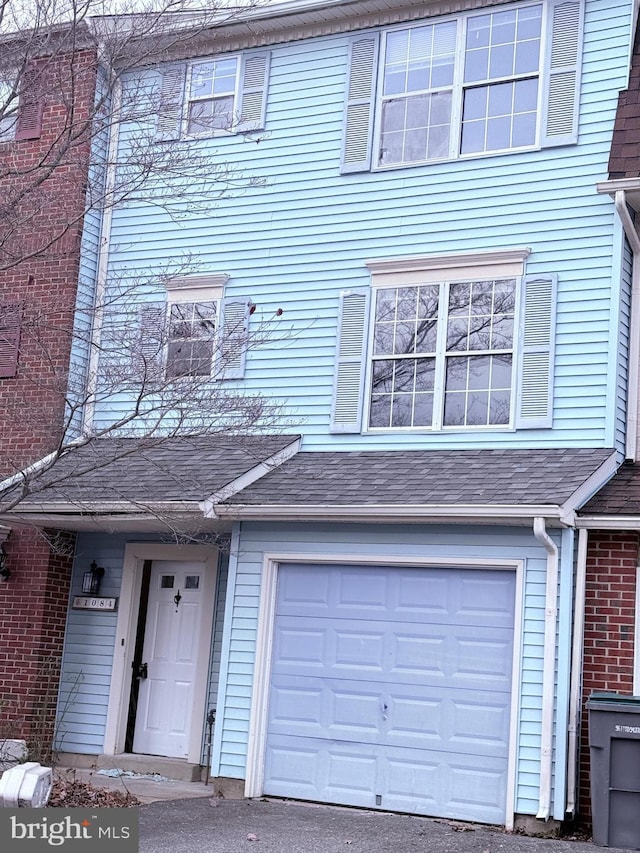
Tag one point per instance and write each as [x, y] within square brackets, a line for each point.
[299, 20]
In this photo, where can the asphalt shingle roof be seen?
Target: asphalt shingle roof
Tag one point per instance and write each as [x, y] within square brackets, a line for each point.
[624, 158]
[426, 477]
[147, 470]
[191, 469]
[621, 495]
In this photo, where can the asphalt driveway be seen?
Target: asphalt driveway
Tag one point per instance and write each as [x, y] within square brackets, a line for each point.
[255, 826]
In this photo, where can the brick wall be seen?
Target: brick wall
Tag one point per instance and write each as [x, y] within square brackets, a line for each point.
[612, 559]
[39, 266]
[39, 255]
[33, 607]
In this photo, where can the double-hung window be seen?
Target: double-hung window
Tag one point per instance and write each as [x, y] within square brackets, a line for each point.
[213, 96]
[447, 88]
[196, 332]
[191, 338]
[442, 342]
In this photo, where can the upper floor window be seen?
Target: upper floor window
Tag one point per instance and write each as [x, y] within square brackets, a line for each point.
[450, 342]
[7, 112]
[464, 381]
[192, 335]
[196, 333]
[464, 86]
[486, 65]
[214, 96]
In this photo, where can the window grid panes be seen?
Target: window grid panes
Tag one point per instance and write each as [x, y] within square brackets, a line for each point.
[480, 324]
[459, 87]
[442, 355]
[7, 112]
[192, 331]
[416, 99]
[212, 95]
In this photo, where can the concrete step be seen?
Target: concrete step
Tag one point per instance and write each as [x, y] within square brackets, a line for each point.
[171, 768]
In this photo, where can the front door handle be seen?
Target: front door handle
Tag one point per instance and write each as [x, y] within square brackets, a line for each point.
[141, 670]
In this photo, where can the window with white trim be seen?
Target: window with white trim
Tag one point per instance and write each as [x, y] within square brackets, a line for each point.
[196, 332]
[443, 354]
[191, 338]
[443, 342]
[193, 308]
[481, 82]
[7, 111]
[213, 96]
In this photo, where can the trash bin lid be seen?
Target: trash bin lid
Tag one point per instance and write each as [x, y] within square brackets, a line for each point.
[611, 697]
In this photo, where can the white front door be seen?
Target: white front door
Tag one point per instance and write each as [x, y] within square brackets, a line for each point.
[170, 653]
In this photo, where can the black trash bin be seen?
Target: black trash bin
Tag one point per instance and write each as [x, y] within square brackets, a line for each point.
[614, 740]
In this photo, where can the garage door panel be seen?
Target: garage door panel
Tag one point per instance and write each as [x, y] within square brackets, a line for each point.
[441, 596]
[321, 770]
[385, 714]
[451, 723]
[427, 785]
[391, 688]
[409, 780]
[392, 651]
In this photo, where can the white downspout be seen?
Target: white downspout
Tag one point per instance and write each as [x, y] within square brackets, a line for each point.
[549, 667]
[103, 262]
[576, 671]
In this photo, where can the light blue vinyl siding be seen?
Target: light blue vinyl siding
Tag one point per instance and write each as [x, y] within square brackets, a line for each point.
[88, 274]
[216, 645]
[83, 320]
[89, 645]
[88, 651]
[622, 366]
[412, 543]
[302, 237]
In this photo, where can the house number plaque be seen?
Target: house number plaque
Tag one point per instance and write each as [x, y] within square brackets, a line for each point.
[94, 602]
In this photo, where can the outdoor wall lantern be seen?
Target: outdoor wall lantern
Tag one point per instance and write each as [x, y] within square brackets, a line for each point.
[91, 579]
[5, 574]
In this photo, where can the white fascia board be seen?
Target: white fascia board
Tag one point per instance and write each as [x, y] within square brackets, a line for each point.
[608, 522]
[71, 508]
[256, 473]
[495, 513]
[630, 186]
[586, 490]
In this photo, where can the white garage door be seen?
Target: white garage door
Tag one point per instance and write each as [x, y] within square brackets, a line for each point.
[391, 689]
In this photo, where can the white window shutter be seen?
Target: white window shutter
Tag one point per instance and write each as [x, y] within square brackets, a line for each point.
[172, 94]
[357, 134]
[537, 351]
[564, 59]
[351, 354]
[234, 338]
[149, 354]
[253, 92]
